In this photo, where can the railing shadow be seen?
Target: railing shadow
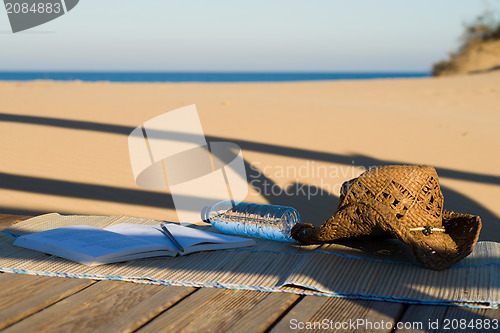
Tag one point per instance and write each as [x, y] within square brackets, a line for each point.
[311, 210]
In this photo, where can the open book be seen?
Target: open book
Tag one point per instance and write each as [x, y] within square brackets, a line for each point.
[126, 241]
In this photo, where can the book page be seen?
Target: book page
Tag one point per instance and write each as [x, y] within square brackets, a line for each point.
[188, 237]
[91, 241]
[150, 233]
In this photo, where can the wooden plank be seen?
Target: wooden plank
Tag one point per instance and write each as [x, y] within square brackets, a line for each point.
[301, 312]
[91, 308]
[184, 311]
[221, 310]
[23, 295]
[18, 286]
[265, 313]
[144, 311]
[320, 313]
[418, 317]
[426, 318]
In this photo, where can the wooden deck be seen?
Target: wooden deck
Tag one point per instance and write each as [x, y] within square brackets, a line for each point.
[48, 304]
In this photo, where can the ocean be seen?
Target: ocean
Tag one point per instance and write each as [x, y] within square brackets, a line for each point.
[203, 76]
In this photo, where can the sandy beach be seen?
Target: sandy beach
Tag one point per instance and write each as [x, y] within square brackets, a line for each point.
[64, 144]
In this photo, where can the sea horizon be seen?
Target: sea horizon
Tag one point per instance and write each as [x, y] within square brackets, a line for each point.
[119, 76]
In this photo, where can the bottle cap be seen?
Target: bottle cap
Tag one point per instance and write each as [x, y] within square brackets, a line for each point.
[204, 214]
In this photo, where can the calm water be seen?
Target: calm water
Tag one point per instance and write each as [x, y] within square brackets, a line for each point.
[201, 77]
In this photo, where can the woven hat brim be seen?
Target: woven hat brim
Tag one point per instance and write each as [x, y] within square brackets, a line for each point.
[437, 250]
[441, 249]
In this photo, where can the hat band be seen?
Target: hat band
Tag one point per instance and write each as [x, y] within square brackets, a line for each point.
[427, 230]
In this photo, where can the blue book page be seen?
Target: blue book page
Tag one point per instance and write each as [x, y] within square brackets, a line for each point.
[190, 239]
[149, 233]
[85, 243]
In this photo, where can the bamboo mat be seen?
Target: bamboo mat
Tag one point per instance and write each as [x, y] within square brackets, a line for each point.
[381, 270]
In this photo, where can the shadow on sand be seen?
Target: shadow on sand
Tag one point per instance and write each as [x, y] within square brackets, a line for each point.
[311, 209]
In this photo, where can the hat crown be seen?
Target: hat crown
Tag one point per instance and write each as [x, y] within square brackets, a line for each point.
[412, 193]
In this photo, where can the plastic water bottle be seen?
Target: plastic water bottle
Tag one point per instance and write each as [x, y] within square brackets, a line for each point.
[248, 219]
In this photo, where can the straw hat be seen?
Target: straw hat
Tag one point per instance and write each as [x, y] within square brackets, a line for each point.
[405, 202]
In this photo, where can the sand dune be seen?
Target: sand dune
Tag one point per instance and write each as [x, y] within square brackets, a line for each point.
[476, 57]
[64, 144]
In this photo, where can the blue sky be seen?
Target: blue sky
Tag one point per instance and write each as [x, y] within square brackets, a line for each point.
[225, 35]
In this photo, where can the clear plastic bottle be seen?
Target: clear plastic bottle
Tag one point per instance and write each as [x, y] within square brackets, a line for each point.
[248, 219]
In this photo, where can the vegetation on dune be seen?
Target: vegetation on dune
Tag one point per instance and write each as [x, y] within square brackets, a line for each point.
[485, 28]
